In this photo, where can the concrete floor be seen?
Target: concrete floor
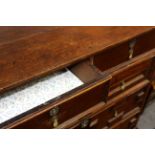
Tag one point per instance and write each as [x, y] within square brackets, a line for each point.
[147, 119]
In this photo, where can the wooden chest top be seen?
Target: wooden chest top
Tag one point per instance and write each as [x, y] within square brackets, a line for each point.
[27, 53]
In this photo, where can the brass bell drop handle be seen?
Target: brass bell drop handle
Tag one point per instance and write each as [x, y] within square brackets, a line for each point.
[131, 48]
[130, 53]
[123, 85]
[54, 116]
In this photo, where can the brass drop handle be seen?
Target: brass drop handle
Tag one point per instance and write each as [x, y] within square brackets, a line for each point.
[54, 116]
[55, 121]
[85, 123]
[131, 48]
[123, 85]
[130, 53]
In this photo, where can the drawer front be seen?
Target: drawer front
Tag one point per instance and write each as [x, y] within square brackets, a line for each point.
[129, 76]
[124, 51]
[111, 57]
[98, 121]
[128, 104]
[144, 43]
[62, 111]
[116, 112]
[110, 114]
[152, 72]
[130, 72]
[124, 85]
[129, 121]
[93, 118]
[103, 120]
[127, 124]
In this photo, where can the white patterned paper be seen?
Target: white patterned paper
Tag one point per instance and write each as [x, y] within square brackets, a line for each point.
[32, 95]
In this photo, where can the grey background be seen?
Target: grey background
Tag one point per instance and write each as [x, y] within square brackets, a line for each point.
[147, 119]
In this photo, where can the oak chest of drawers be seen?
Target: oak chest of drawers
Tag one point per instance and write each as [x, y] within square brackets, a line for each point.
[115, 64]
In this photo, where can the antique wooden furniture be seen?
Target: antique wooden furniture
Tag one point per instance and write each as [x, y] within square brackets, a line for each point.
[115, 64]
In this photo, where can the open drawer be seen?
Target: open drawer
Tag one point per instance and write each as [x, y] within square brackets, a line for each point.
[67, 107]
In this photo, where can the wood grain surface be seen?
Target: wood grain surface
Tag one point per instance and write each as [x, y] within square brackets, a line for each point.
[27, 53]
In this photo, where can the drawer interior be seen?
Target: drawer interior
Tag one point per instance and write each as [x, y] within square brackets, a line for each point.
[36, 93]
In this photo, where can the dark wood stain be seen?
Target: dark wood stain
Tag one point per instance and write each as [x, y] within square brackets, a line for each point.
[99, 56]
[29, 47]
